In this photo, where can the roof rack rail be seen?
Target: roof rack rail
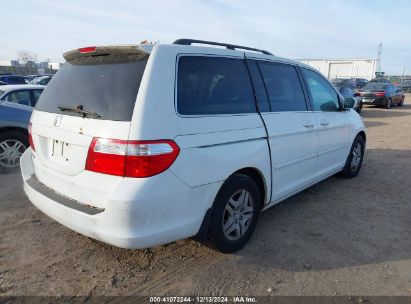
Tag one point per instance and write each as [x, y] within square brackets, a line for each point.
[228, 46]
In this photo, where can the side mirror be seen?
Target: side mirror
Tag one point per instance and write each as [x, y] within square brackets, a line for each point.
[349, 103]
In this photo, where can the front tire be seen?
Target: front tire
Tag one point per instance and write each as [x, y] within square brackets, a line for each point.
[355, 158]
[235, 213]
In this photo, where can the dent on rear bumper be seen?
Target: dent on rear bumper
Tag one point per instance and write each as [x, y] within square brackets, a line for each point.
[140, 213]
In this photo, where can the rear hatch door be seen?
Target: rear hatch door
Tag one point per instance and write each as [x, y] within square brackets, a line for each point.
[93, 95]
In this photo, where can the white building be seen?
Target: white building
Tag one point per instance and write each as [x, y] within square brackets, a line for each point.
[55, 65]
[344, 68]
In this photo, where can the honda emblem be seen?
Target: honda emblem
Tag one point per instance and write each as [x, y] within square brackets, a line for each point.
[57, 121]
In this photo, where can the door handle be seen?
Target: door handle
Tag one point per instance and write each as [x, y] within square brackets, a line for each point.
[324, 123]
[309, 125]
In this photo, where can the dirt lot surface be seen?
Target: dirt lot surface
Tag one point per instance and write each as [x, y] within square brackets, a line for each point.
[340, 237]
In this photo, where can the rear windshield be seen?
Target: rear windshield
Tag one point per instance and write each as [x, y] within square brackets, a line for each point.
[375, 86]
[109, 90]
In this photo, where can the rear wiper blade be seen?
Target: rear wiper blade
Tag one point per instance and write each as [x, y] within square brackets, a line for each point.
[79, 109]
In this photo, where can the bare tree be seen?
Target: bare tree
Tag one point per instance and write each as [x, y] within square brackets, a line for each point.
[26, 56]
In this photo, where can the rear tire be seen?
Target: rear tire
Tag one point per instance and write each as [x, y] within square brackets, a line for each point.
[355, 158]
[235, 213]
[389, 104]
[401, 102]
[12, 146]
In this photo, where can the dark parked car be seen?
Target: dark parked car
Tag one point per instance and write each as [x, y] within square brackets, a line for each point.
[13, 79]
[380, 80]
[16, 104]
[347, 92]
[359, 82]
[381, 94]
[406, 86]
[338, 82]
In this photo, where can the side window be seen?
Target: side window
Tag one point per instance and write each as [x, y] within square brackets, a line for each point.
[324, 97]
[283, 87]
[36, 95]
[211, 85]
[20, 97]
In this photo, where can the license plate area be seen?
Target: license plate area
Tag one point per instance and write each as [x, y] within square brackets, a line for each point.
[59, 150]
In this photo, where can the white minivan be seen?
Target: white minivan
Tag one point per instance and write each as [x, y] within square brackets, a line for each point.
[143, 145]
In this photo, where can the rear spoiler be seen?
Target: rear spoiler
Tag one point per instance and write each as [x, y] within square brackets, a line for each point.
[106, 54]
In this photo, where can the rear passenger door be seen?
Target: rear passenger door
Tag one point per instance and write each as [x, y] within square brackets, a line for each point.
[333, 124]
[220, 130]
[291, 127]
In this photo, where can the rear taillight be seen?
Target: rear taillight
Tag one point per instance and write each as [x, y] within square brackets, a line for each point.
[131, 158]
[379, 94]
[31, 138]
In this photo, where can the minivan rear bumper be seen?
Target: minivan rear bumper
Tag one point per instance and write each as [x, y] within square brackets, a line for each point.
[141, 213]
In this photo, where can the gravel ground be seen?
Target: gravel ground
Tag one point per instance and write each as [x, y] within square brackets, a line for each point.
[340, 237]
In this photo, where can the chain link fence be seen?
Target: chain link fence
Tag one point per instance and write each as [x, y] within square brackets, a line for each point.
[28, 70]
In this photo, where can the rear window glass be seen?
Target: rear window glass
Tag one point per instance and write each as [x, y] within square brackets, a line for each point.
[375, 86]
[210, 85]
[109, 90]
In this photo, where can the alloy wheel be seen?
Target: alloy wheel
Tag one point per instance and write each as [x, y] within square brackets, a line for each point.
[238, 214]
[356, 157]
[10, 152]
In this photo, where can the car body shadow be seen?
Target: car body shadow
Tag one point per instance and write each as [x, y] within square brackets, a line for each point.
[340, 222]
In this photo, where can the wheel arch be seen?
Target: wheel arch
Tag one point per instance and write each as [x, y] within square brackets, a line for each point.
[363, 135]
[259, 179]
[252, 172]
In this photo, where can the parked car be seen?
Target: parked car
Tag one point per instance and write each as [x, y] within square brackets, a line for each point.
[406, 86]
[399, 95]
[350, 83]
[43, 80]
[13, 79]
[347, 92]
[29, 78]
[382, 94]
[16, 102]
[381, 80]
[359, 82]
[158, 143]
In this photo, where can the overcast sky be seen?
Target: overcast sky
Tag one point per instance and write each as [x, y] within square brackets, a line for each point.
[288, 28]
